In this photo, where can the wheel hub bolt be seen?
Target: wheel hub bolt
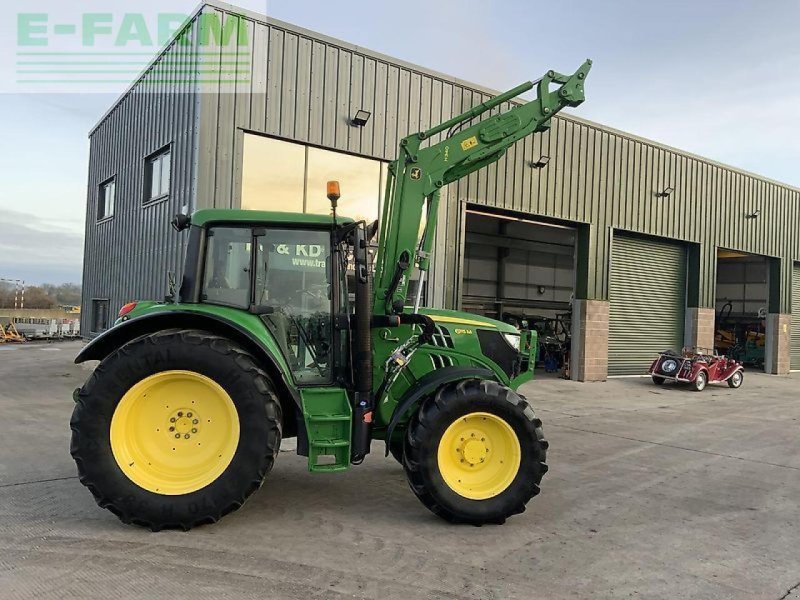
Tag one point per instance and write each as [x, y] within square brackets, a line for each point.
[172, 419]
[189, 415]
[195, 421]
[186, 436]
[180, 414]
[172, 429]
[177, 435]
[194, 429]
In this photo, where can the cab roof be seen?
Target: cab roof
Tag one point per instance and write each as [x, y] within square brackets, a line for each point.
[227, 215]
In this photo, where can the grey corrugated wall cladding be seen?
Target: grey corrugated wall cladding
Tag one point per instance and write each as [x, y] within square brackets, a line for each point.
[127, 256]
[306, 90]
[305, 87]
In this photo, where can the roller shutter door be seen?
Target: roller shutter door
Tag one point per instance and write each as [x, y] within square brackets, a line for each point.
[647, 290]
[795, 357]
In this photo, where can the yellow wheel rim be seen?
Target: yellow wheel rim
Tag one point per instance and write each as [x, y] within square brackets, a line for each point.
[174, 432]
[479, 456]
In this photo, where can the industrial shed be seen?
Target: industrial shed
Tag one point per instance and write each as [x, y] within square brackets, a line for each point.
[621, 246]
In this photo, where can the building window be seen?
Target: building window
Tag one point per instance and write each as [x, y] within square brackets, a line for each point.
[157, 172]
[273, 174]
[360, 181]
[288, 177]
[105, 200]
[99, 315]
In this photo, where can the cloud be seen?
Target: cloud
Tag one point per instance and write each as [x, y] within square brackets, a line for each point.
[38, 250]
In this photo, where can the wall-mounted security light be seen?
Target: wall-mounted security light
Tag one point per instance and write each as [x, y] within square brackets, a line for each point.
[755, 214]
[542, 289]
[665, 192]
[541, 162]
[361, 117]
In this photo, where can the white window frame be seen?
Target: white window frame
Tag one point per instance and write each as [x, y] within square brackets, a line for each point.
[154, 163]
[105, 206]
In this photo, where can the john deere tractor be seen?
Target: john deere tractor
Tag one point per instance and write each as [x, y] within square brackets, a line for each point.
[282, 328]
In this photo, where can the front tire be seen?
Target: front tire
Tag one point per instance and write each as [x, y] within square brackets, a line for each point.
[175, 429]
[475, 453]
[736, 380]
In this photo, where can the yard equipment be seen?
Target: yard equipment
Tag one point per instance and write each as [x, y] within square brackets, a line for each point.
[698, 367]
[742, 337]
[9, 333]
[184, 415]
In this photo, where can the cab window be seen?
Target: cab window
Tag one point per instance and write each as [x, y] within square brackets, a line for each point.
[226, 279]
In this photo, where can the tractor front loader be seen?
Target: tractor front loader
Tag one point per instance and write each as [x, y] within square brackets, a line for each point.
[282, 328]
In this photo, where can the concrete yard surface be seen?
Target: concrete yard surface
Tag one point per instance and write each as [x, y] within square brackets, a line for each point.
[653, 492]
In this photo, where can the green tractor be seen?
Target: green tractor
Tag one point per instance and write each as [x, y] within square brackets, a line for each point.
[282, 329]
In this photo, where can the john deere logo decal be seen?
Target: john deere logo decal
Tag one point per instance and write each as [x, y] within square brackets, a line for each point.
[415, 173]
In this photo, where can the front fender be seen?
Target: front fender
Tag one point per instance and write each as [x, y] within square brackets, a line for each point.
[428, 384]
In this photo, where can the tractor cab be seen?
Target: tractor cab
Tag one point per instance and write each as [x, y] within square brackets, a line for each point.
[287, 269]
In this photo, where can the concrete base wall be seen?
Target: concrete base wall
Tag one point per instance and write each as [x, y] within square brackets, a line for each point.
[777, 352]
[700, 327]
[589, 358]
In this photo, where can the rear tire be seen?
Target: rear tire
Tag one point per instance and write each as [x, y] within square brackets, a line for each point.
[396, 449]
[115, 420]
[512, 431]
[658, 380]
[736, 380]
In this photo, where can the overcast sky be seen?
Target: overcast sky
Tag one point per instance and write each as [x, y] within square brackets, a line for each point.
[718, 78]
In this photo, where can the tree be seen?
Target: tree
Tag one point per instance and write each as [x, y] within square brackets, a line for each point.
[44, 296]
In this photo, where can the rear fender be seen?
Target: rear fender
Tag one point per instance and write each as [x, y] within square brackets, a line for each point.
[119, 335]
[426, 386]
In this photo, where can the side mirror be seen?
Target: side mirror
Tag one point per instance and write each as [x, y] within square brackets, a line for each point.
[181, 221]
[372, 230]
[260, 309]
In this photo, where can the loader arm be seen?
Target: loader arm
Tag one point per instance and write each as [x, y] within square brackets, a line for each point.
[418, 174]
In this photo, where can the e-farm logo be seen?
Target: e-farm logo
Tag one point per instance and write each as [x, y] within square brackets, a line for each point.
[94, 51]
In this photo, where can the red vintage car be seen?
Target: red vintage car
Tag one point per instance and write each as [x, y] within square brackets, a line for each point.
[697, 367]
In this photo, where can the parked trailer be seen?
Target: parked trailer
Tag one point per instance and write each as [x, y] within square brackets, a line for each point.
[69, 328]
[47, 329]
[33, 328]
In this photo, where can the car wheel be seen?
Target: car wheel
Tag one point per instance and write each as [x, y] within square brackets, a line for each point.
[658, 380]
[736, 380]
[700, 381]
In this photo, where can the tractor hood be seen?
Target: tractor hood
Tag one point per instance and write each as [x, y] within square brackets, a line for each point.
[455, 318]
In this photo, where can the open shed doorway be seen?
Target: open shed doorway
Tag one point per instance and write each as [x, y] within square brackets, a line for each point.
[522, 272]
[741, 305]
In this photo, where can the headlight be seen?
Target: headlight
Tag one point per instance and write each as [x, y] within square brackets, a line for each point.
[513, 340]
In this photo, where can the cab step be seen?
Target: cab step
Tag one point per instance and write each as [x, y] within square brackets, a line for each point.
[328, 418]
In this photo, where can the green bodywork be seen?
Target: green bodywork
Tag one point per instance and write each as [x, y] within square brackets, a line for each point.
[422, 168]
